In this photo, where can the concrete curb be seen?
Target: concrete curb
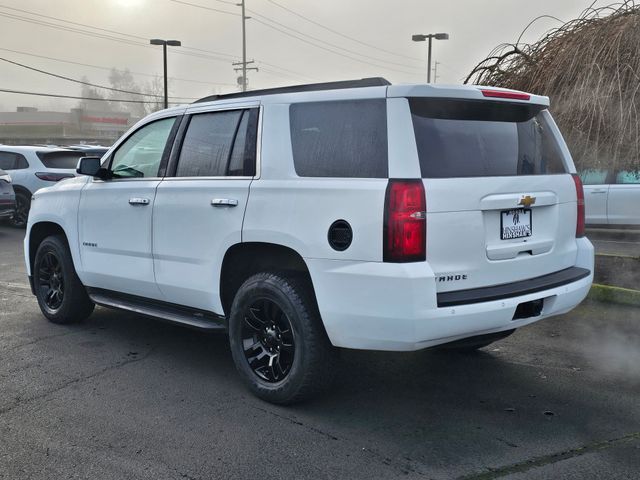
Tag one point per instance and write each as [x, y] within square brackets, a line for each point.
[608, 294]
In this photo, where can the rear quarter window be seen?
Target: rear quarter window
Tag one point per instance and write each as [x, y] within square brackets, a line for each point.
[340, 138]
[465, 138]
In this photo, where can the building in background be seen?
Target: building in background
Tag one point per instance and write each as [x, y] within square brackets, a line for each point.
[28, 126]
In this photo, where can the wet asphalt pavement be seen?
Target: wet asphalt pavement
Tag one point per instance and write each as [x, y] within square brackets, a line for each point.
[125, 397]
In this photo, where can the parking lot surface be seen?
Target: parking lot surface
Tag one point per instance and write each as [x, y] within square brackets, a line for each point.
[126, 397]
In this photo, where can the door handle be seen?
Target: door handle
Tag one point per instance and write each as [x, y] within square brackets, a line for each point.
[598, 191]
[138, 201]
[224, 202]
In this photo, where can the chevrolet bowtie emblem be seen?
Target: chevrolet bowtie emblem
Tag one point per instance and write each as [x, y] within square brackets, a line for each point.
[527, 201]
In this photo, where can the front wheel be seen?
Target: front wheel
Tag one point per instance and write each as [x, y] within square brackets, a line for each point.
[61, 296]
[278, 343]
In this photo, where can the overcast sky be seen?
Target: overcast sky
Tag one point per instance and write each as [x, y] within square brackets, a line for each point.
[212, 41]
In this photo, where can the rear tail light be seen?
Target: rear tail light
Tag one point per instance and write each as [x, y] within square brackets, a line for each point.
[506, 94]
[53, 177]
[405, 222]
[580, 197]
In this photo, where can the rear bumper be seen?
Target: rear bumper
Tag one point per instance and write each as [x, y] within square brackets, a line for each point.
[384, 306]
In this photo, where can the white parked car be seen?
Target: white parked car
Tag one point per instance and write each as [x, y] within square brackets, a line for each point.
[612, 197]
[33, 168]
[352, 214]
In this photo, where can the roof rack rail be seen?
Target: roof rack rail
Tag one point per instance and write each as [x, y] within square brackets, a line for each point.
[364, 82]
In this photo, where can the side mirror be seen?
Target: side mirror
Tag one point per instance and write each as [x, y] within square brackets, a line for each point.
[90, 166]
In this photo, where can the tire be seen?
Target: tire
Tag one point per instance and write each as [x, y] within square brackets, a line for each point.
[61, 296]
[21, 215]
[274, 319]
[471, 344]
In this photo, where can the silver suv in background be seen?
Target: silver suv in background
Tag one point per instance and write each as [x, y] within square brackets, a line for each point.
[33, 168]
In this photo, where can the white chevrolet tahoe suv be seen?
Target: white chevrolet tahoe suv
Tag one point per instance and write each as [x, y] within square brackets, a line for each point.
[355, 214]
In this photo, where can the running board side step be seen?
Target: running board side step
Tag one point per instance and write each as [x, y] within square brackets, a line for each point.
[168, 312]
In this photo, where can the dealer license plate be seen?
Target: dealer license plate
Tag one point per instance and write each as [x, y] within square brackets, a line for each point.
[515, 223]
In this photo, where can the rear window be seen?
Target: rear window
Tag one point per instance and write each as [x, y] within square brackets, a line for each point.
[68, 160]
[340, 139]
[466, 138]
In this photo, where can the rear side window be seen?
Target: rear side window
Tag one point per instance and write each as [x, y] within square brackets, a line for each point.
[465, 138]
[340, 139]
[219, 144]
[594, 176]
[12, 161]
[67, 160]
[628, 177]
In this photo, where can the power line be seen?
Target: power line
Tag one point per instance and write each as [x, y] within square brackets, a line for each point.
[191, 51]
[263, 20]
[328, 49]
[353, 39]
[353, 52]
[209, 8]
[82, 82]
[39, 94]
[109, 69]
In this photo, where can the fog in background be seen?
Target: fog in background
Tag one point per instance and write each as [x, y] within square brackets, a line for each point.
[307, 52]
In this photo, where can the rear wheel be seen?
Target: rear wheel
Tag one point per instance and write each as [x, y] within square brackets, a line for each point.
[277, 339]
[472, 344]
[20, 216]
[61, 296]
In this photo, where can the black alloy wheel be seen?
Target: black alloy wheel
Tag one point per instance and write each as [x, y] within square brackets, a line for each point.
[51, 281]
[61, 296]
[277, 338]
[268, 340]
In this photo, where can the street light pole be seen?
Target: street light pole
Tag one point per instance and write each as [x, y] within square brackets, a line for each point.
[164, 61]
[430, 37]
[165, 43]
[244, 49]
[428, 61]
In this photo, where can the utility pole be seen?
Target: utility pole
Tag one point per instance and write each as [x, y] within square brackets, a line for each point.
[435, 72]
[244, 62]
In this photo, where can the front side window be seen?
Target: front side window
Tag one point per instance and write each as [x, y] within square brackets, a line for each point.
[12, 161]
[140, 155]
[219, 144]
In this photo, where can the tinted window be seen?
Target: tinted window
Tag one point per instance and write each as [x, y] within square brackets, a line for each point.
[12, 161]
[340, 139]
[628, 176]
[208, 144]
[594, 176]
[60, 159]
[457, 138]
[140, 155]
